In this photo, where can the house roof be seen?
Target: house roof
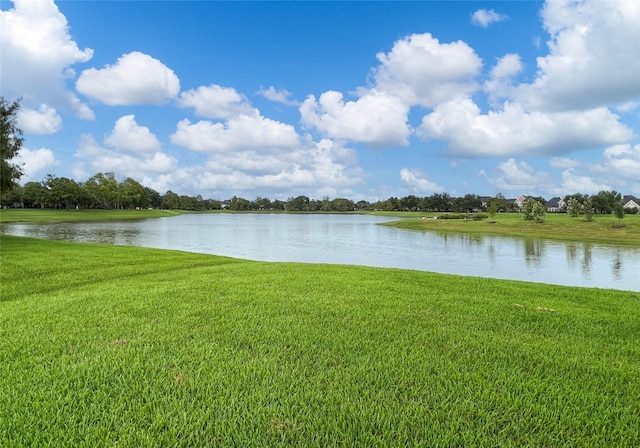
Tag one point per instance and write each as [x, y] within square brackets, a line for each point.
[553, 202]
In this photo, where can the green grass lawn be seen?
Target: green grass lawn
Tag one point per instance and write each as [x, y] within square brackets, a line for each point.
[50, 215]
[603, 228]
[124, 346]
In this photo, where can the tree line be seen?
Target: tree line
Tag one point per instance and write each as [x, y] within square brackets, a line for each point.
[104, 191]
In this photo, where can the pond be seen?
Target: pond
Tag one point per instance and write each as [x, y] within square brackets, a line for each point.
[357, 240]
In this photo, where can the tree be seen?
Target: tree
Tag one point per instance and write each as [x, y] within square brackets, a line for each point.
[171, 201]
[34, 194]
[492, 209]
[314, 205]
[467, 204]
[239, 204]
[618, 209]
[587, 208]
[342, 205]
[533, 209]
[297, 204]
[261, 203]
[501, 203]
[605, 201]
[277, 204]
[363, 205]
[539, 211]
[132, 194]
[409, 203]
[103, 190]
[154, 199]
[441, 202]
[10, 144]
[61, 192]
[573, 207]
[12, 198]
[326, 204]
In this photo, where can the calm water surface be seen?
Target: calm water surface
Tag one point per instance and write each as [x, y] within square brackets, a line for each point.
[357, 240]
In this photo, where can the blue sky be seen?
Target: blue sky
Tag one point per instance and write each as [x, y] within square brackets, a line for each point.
[363, 100]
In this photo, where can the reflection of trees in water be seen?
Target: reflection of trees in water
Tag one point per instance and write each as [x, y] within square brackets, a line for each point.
[464, 239]
[580, 253]
[616, 265]
[471, 240]
[533, 251]
[572, 253]
[587, 260]
[491, 252]
[89, 233]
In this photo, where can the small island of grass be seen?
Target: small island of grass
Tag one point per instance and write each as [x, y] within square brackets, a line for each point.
[603, 229]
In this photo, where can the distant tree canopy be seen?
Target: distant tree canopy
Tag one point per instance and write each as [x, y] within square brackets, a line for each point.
[103, 190]
[606, 201]
[10, 145]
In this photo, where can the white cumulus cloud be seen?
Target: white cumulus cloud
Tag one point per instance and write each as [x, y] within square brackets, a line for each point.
[563, 162]
[423, 71]
[159, 163]
[376, 118]
[279, 96]
[513, 131]
[576, 183]
[623, 162]
[35, 163]
[593, 56]
[127, 135]
[500, 84]
[241, 132]
[44, 120]
[94, 158]
[487, 17]
[324, 165]
[519, 177]
[418, 182]
[507, 66]
[215, 101]
[136, 78]
[37, 55]
[592, 67]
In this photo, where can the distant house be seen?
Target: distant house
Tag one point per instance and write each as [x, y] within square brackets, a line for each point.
[555, 205]
[484, 200]
[520, 200]
[629, 201]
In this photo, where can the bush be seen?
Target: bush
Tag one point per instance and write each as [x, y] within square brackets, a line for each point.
[473, 216]
[451, 216]
[534, 210]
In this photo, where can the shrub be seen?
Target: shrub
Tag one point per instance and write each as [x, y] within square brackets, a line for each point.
[447, 216]
[534, 210]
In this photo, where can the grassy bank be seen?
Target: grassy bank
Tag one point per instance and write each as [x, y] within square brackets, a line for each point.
[49, 215]
[124, 346]
[603, 228]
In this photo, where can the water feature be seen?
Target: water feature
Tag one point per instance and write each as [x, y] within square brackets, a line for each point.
[357, 240]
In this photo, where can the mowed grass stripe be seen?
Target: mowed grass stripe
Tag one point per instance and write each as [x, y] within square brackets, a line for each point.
[162, 348]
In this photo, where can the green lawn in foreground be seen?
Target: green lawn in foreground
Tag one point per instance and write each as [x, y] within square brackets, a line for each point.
[124, 346]
[50, 215]
[603, 228]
